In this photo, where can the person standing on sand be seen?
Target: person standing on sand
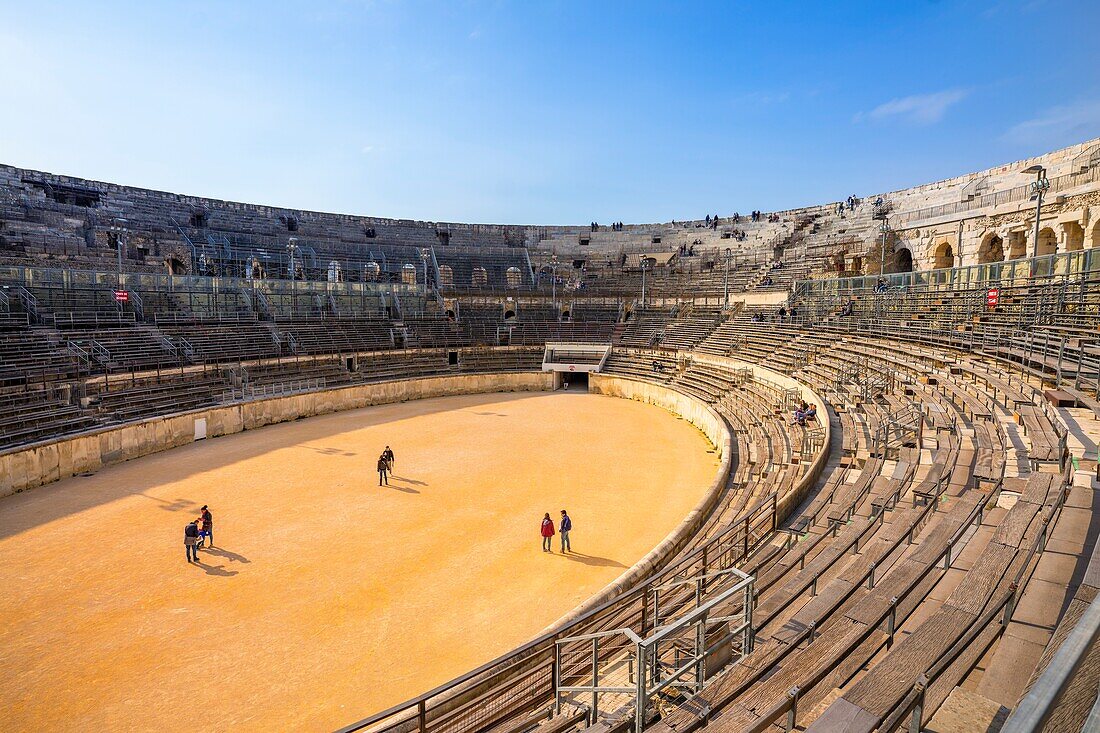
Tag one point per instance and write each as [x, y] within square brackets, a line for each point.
[388, 455]
[207, 524]
[547, 532]
[566, 527]
[191, 540]
[383, 468]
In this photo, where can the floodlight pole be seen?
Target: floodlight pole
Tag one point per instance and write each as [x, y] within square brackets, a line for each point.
[291, 246]
[120, 232]
[884, 228]
[424, 255]
[726, 280]
[554, 280]
[645, 261]
[1039, 185]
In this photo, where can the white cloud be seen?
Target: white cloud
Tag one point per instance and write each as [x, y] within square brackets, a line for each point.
[1076, 121]
[367, 149]
[917, 109]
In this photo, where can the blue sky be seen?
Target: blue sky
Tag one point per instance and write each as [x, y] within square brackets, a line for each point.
[541, 112]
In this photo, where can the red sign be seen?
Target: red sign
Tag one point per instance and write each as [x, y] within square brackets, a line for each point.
[122, 296]
[992, 297]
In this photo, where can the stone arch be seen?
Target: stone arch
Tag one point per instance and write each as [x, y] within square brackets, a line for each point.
[174, 265]
[903, 260]
[1075, 236]
[1094, 239]
[256, 270]
[991, 249]
[1017, 245]
[943, 256]
[446, 276]
[408, 273]
[512, 277]
[1048, 242]
[479, 277]
[335, 272]
[371, 271]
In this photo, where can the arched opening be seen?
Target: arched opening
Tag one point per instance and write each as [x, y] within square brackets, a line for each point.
[408, 273]
[450, 314]
[991, 249]
[566, 315]
[512, 277]
[944, 256]
[334, 275]
[903, 261]
[256, 270]
[371, 272]
[479, 277]
[446, 276]
[1048, 242]
[1094, 240]
[1075, 236]
[1017, 245]
[509, 315]
[173, 265]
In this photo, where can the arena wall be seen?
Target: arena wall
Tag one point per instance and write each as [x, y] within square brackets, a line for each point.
[41, 463]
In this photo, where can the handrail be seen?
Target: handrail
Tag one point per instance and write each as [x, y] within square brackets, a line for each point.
[1035, 709]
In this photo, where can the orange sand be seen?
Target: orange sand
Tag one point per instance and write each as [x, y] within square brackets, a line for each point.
[328, 598]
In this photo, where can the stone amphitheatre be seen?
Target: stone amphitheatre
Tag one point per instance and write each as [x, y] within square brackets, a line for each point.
[918, 552]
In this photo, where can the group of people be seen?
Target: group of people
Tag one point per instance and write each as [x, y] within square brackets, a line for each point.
[547, 532]
[804, 412]
[781, 315]
[616, 226]
[195, 536]
[385, 466]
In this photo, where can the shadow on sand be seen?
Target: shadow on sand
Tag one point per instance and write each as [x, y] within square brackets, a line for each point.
[602, 562]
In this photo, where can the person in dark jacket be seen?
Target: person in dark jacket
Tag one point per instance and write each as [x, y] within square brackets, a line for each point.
[388, 455]
[383, 469]
[566, 527]
[547, 532]
[191, 540]
[207, 525]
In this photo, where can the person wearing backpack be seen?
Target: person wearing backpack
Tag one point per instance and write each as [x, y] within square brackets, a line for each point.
[383, 468]
[547, 532]
[191, 540]
[564, 530]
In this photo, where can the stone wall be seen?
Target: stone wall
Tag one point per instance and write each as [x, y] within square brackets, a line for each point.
[42, 463]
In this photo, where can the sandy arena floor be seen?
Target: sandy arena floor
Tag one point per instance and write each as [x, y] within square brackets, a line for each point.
[327, 598]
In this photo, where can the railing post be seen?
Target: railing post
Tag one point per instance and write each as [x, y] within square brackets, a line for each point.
[750, 600]
[421, 717]
[555, 675]
[892, 622]
[595, 681]
[792, 711]
[918, 708]
[640, 689]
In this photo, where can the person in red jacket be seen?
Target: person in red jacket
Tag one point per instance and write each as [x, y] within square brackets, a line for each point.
[547, 532]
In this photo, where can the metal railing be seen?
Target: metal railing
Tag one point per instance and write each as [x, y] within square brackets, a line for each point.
[710, 612]
[263, 391]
